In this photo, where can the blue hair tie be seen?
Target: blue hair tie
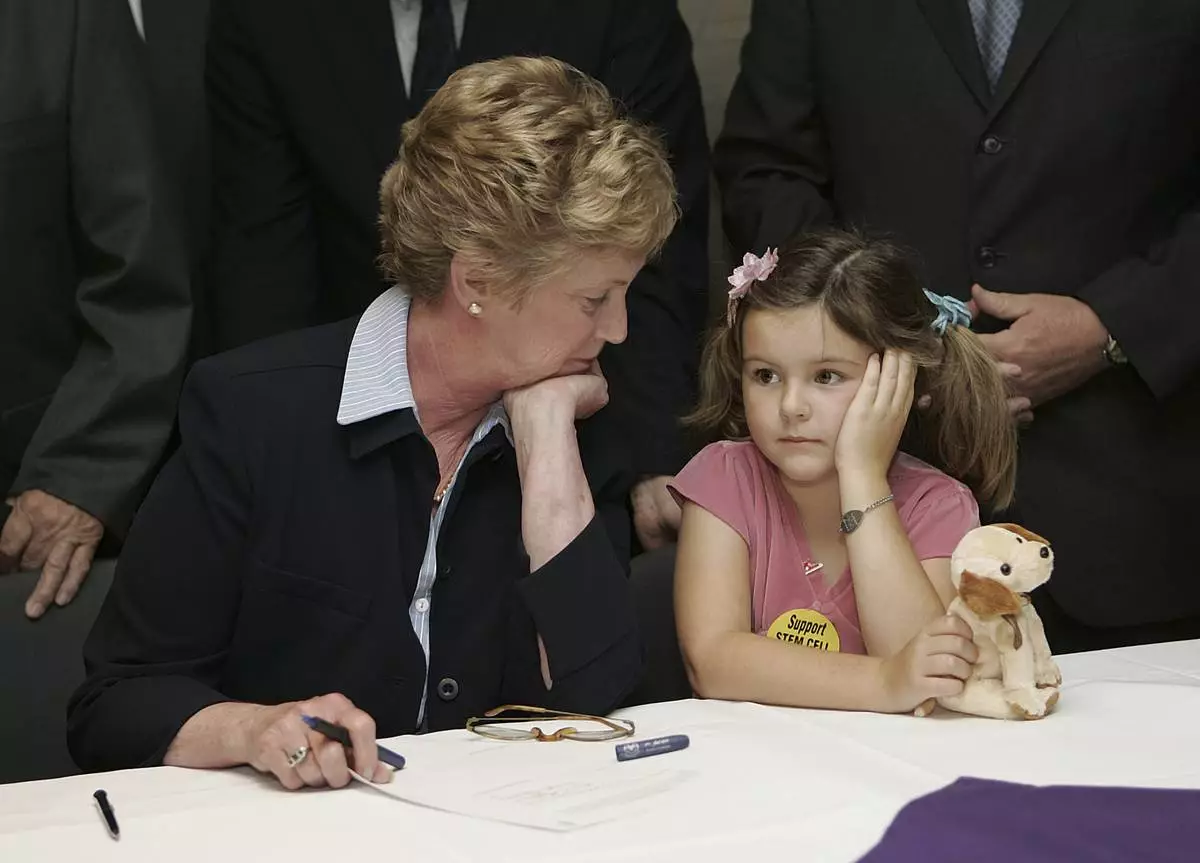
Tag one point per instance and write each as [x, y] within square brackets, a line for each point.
[951, 312]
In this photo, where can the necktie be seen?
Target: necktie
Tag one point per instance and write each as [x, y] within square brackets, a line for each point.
[995, 22]
[437, 52]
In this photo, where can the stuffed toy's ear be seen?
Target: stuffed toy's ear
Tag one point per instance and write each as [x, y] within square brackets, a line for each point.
[987, 597]
[1027, 535]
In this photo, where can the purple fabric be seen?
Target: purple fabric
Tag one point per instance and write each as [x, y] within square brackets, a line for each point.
[982, 821]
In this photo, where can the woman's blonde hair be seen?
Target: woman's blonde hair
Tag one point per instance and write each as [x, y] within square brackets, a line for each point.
[518, 164]
[872, 291]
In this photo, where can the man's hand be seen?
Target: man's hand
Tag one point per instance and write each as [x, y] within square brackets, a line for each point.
[656, 515]
[44, 532]
[1053, 345]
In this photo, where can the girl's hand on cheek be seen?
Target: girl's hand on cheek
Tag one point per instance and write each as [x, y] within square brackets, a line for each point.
[876, 417]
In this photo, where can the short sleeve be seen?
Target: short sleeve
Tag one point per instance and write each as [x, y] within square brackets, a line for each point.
[718, 479]
[940, 518]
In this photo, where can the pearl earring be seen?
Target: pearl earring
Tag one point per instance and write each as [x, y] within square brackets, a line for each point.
[475, 309]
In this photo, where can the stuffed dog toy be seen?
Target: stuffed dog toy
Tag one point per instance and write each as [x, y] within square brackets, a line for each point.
[993, 569]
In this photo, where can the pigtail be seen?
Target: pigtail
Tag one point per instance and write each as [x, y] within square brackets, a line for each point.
[967, 426]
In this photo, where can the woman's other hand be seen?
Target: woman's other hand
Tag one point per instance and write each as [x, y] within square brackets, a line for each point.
[278, 742]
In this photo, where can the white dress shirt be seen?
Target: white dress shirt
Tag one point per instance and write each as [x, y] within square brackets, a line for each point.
[135, 6]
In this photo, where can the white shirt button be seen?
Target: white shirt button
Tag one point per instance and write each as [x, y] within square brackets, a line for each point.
[422, 605]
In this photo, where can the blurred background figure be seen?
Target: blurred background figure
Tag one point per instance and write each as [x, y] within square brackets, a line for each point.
[95, 303]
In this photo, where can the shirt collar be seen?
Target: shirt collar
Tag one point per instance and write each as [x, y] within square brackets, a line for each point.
[377, 381]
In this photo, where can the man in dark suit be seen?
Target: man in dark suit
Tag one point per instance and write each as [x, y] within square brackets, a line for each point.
[1050, 152]
[307, 100]
[176, 33]
[94, 295]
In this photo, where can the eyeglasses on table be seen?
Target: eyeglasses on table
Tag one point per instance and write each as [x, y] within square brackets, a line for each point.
[497, 726]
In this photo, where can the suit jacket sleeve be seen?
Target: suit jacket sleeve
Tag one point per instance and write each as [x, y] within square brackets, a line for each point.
[653, 373]
[1150, 305]
[772, 157]
[263, 272]
[105, 429]
[157, 651]
[580, 603]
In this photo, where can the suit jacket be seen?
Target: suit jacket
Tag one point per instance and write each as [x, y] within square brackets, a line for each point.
[307, 100]
[176, 35]
[278, 554]
[94, 293]
[1079, 176]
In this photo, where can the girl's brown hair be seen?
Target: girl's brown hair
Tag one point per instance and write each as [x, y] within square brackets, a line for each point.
[872, 291]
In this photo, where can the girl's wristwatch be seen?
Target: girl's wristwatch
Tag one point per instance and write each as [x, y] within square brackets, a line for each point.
[853, 518]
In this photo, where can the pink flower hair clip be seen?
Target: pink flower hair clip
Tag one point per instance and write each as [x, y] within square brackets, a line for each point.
[753, 269]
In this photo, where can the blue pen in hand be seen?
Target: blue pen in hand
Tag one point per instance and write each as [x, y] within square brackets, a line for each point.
[342, 736]
[646, 748]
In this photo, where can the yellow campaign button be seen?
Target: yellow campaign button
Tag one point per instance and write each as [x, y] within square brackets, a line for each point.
[807, 628]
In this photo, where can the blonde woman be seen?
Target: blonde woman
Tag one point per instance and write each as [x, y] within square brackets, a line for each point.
[394, 523]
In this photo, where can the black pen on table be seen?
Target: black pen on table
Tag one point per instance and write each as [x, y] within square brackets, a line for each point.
[106, 811]
[342, 736]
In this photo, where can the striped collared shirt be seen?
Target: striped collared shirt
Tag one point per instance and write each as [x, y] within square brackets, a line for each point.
[377, 383]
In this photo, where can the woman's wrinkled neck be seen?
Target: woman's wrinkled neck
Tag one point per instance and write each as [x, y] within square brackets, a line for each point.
[450, 374]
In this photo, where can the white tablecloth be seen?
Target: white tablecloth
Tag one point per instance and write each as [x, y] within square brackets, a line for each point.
[807, 784]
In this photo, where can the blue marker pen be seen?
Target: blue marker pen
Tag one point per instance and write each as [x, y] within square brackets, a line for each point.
[342, 736]
[657, 746]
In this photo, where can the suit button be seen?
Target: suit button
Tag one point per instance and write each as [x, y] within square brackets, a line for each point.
[992, 145]
[447, 689]
[986, 257]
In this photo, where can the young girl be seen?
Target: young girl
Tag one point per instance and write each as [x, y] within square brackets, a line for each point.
[813, 563]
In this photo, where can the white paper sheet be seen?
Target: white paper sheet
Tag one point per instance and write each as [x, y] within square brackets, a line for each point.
[557, 800]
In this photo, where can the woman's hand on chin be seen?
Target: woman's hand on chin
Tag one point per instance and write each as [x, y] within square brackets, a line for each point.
[574, 396]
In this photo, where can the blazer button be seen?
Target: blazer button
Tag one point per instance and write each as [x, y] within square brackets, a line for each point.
[992, 145]
[447, 689]
[986, 257]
